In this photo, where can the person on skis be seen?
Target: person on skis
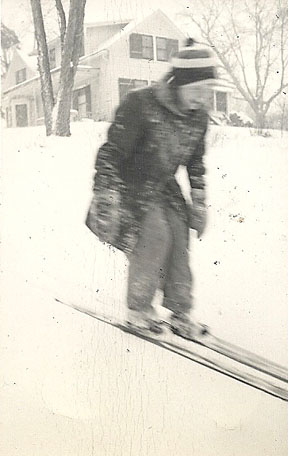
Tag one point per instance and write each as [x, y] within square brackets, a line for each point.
[138, 206]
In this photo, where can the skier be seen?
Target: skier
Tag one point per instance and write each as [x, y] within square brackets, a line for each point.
[138, 206]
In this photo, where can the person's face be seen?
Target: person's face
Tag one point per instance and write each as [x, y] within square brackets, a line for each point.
[193, 96]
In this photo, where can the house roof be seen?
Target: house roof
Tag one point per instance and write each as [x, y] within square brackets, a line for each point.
[106, 23]
[28, 61]
[53, 40]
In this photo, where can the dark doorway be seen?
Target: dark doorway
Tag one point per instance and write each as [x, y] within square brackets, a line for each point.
[221, 102]
[82, 102]
[21, 115]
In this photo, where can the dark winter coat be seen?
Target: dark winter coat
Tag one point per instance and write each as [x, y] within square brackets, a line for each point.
[149, 138]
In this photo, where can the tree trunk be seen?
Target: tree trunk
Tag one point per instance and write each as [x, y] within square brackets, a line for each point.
[43, 64]
[70, 59]
[61, 112]
[283, 110]
[260, 121]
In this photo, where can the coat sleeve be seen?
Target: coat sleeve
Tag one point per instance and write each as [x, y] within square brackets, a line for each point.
[197, 213]
[123, 135]
[196, 166]
[196, 173]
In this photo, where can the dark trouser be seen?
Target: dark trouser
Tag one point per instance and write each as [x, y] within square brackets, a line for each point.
[160, 259]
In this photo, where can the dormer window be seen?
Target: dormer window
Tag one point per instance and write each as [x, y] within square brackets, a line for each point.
[141, 46]
[52, 58]
[21, 76]
[165, 48]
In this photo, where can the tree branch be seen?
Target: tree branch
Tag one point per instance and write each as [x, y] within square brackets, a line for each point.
[275, 95]
[240, 59]
[263, 36]
[62, 21]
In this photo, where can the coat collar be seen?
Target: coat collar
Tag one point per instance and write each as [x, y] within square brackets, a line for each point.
[166, 96]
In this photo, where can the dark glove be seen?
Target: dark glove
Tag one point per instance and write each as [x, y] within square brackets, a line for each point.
[104, 215]
[109, 215]
[198, 220]
[198, 212]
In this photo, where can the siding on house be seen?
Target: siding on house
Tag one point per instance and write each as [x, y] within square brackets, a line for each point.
[100, 83]
[19, 104]
[54, 50]
[114, 63]
[97, 34]
[17, 64]
[121, 65]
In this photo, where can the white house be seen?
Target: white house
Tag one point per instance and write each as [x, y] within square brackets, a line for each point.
[116, 57]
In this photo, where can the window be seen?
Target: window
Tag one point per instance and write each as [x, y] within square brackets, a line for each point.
[221, 102]
[21, 76]
[141, 46]
[52, 58]
[125, 85]
[165, 48]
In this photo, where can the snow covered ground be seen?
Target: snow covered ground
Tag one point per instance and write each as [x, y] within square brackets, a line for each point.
[72, 386]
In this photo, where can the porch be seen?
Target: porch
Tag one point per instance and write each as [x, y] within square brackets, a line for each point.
[22, 104]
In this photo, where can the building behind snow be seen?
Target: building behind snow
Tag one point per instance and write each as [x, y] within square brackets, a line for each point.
[116, 57]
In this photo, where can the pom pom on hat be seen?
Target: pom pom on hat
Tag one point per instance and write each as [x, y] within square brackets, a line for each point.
[193, 63]
[190, 41]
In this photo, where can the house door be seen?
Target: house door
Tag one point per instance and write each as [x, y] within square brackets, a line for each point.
[8, 117]
[21, 115]
[221, 102]
[82, 102]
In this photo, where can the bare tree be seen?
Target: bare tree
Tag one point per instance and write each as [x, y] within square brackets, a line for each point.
[43, 64]
[9, 39]
[250, 40]
[57, 112]
[281, 112]
[72, 45]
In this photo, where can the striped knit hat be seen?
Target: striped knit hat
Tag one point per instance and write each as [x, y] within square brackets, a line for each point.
[193, 63]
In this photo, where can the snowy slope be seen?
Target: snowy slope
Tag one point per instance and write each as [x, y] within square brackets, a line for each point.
[72, 386]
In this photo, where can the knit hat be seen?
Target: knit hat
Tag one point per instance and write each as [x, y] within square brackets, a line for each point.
[193, 64]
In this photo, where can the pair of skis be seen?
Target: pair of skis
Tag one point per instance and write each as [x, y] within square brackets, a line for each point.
[214, 353]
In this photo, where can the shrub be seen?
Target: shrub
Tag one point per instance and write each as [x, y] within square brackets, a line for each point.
[239, 119]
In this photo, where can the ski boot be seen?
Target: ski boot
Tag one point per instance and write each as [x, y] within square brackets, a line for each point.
[182, 325]
[144, 321]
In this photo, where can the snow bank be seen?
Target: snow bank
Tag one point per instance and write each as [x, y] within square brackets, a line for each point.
[240, 266]
[73, 386]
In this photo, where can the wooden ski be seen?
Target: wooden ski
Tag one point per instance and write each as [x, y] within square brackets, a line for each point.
[214, 353]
